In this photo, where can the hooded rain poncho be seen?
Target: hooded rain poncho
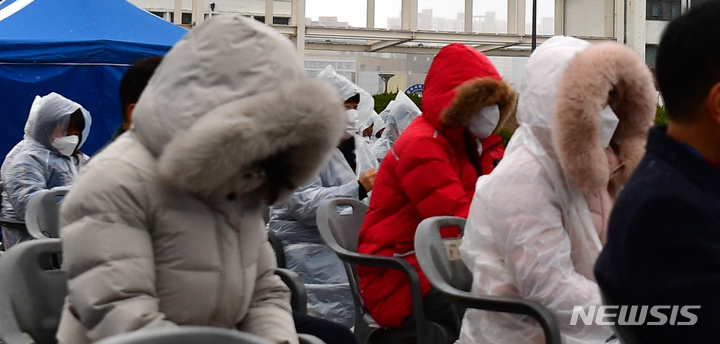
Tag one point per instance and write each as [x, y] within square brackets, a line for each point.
[400, 113]
[33, 164]
[306, 253]
[532, 231]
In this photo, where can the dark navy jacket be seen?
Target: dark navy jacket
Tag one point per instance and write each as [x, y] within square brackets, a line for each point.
[663, 243]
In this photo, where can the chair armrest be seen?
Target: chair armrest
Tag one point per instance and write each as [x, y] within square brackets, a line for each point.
[392, 263]
[277, 246]
[298, 299]
[510, 305]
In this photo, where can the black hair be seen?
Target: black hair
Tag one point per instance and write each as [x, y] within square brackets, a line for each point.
[354, 99]
[135, 80]
[77, 121]
[688, 60]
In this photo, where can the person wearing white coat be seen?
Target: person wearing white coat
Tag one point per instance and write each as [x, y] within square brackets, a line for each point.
[538, 222]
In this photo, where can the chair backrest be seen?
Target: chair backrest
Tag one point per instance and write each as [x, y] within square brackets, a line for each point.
[42, 216]
[339, 221]
[33, 291]
[442, 256]
[186, 335]
[344, 218]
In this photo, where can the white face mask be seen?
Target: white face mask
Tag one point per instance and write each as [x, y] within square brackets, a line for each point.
[66, 145]
[351, 124]
[485, 121]
[608, 125]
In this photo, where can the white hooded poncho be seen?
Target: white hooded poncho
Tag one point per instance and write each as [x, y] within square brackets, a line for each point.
[530, 233]
[400, 113]
[33, 164]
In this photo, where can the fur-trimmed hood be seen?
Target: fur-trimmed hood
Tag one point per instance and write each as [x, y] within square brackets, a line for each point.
[583, 93]
[230, 111]
[460, 82]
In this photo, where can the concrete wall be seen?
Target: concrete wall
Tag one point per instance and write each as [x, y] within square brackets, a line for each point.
[654, 30]
[585, 18]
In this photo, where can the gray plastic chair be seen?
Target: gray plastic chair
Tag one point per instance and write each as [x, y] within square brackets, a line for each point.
[186, 335]
[340, 230]
[625, 334]
[42, 216]
[33, 291]
[454, 279]
[195, 335]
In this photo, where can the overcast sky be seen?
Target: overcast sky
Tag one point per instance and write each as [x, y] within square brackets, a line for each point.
[353, 11]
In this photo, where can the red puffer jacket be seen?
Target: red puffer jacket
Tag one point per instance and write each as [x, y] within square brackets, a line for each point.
[430, 171]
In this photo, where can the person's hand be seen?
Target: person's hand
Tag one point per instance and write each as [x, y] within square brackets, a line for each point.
[367, 179]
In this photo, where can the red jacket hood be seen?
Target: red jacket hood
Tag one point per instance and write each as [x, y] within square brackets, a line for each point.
[454, 65]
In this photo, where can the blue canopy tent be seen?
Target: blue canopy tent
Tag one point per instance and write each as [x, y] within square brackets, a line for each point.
[78, 48]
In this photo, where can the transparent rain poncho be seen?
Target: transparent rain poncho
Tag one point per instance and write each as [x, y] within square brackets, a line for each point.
[306, 253]
[530, 233]
[33, 164]
[366, 108]
[400, 113]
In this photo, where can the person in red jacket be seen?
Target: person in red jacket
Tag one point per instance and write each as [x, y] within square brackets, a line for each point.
[431, 170]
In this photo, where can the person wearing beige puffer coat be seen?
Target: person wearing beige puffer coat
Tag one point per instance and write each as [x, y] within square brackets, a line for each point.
[164, 227]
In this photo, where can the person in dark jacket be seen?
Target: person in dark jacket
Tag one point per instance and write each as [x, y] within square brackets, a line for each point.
[663, 248]
[132, 84]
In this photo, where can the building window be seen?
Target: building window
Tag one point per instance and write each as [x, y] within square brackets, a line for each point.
[651, 55]
[281, 20]
[159, 14]
[187, 18]
[663, 9]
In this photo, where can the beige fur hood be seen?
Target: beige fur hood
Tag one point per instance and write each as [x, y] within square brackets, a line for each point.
[583, 92]
[230, 110]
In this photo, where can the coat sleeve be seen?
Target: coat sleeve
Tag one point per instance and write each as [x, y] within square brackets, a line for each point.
[430, 182]
[527, 226]
[270, 315]
[108, 255]
[23, 179]
[305, 201]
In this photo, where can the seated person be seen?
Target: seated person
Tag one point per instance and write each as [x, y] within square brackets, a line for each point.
[164, 228]
[132, 84]
[400, 113]
[49, 156]
[295, 223]
[538, 222]
[663, 249]
[431, 171]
